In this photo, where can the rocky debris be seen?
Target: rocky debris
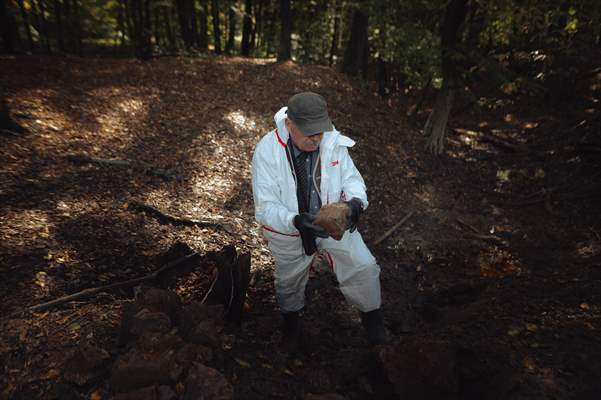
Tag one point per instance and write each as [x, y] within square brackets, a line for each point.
[159, 300]
[194, 313]
[206, 332]
[146, 321]
[332, 217]
[85, 364]
[325, 396]
[154, 392]
[165, 345]
[422, 369]
[190, 353]
[154, 311]
[152, 360]
[207, 383]
[233, 276]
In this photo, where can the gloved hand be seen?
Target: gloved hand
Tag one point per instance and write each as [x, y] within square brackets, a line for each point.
[355, 209]
[308, 230]
[304, 223]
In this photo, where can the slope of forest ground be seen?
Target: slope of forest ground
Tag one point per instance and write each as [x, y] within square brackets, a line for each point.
[500, 261]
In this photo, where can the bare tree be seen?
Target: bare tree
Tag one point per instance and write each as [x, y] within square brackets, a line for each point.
[285, 46]
[450, 35]
[356, 54]
[231, 34]
[216, 29]
[247, 28]
[336, 32]
[203, 38]
[10, 33]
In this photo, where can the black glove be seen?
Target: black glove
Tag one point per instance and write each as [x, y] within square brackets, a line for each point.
[355, 209]
[308, 231]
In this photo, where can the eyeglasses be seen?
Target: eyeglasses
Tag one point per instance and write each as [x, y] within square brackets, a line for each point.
[315, 139]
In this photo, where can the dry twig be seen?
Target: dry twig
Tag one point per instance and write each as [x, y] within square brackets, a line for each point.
[92, 291]
[84, 159]
[171, 219]
[394, 228]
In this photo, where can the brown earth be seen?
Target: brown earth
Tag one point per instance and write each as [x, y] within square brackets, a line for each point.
[492, 289]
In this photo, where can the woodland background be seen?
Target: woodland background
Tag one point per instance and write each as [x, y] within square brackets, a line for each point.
[126, 134]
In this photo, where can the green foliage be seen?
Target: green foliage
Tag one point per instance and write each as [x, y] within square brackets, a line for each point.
[514, 44]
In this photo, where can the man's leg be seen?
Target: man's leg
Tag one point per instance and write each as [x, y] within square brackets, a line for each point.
[291, 275]
[358, 275]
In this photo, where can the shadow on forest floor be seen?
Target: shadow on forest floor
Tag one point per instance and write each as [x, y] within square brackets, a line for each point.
[498, 270]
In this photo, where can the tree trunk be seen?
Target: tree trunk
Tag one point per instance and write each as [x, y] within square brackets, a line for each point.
[231, 34]
[247, 28]
[194, 23]
[356, 54]
[77, 28]
[128, 21]
[6, 121]
[203, 38]
[26, 24]
[216, 28]
[156, 26]
[184, 23]
[58, 17]
[336, 33]
[40, 11]
[9, 28]
[382, 78]
[285, 46]
[450, 35]
[257, 35]
[140, 13]
[168, 29]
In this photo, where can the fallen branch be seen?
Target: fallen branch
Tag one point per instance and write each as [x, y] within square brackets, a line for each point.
[171, 219]
[394, 228]
[92, 291]
[9, 132]
[83, 159]
[475, 233]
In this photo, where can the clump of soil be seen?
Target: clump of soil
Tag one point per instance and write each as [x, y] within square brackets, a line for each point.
[332, 217]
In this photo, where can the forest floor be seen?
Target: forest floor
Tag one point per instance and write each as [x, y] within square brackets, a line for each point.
[500, 261]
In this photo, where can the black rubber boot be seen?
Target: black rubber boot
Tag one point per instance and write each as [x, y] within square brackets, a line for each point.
[373, 322]
[292, 335]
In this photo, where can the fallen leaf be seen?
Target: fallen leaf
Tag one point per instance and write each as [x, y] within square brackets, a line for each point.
[242, 363]
[52, 374]
[514, 331]
[531, 327]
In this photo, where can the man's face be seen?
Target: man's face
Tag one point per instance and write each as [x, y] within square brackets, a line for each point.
[304, 143]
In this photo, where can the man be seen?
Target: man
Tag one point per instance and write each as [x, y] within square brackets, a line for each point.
[296, 168]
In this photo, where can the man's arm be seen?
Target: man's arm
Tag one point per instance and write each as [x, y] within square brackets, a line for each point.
[269, 209]
[353, 185]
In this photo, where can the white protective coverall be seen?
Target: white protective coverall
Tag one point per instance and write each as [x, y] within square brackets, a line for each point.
[276, 205]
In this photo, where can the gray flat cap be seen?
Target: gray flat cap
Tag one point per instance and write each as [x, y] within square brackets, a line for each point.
[309, 112]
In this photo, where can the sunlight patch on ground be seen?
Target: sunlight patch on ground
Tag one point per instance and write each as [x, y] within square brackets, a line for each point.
[218, 186]
[426, 195]
[240, 121]
[498, 263]
[23, 227]
[545, 376]
[120, 115]
[588, 249]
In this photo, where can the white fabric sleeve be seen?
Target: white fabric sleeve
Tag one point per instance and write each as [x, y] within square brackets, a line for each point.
[269, 208]
[352, 181]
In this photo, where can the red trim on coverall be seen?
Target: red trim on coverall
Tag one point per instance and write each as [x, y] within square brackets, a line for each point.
[274, 231]
[279, 139]
[330, 261]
